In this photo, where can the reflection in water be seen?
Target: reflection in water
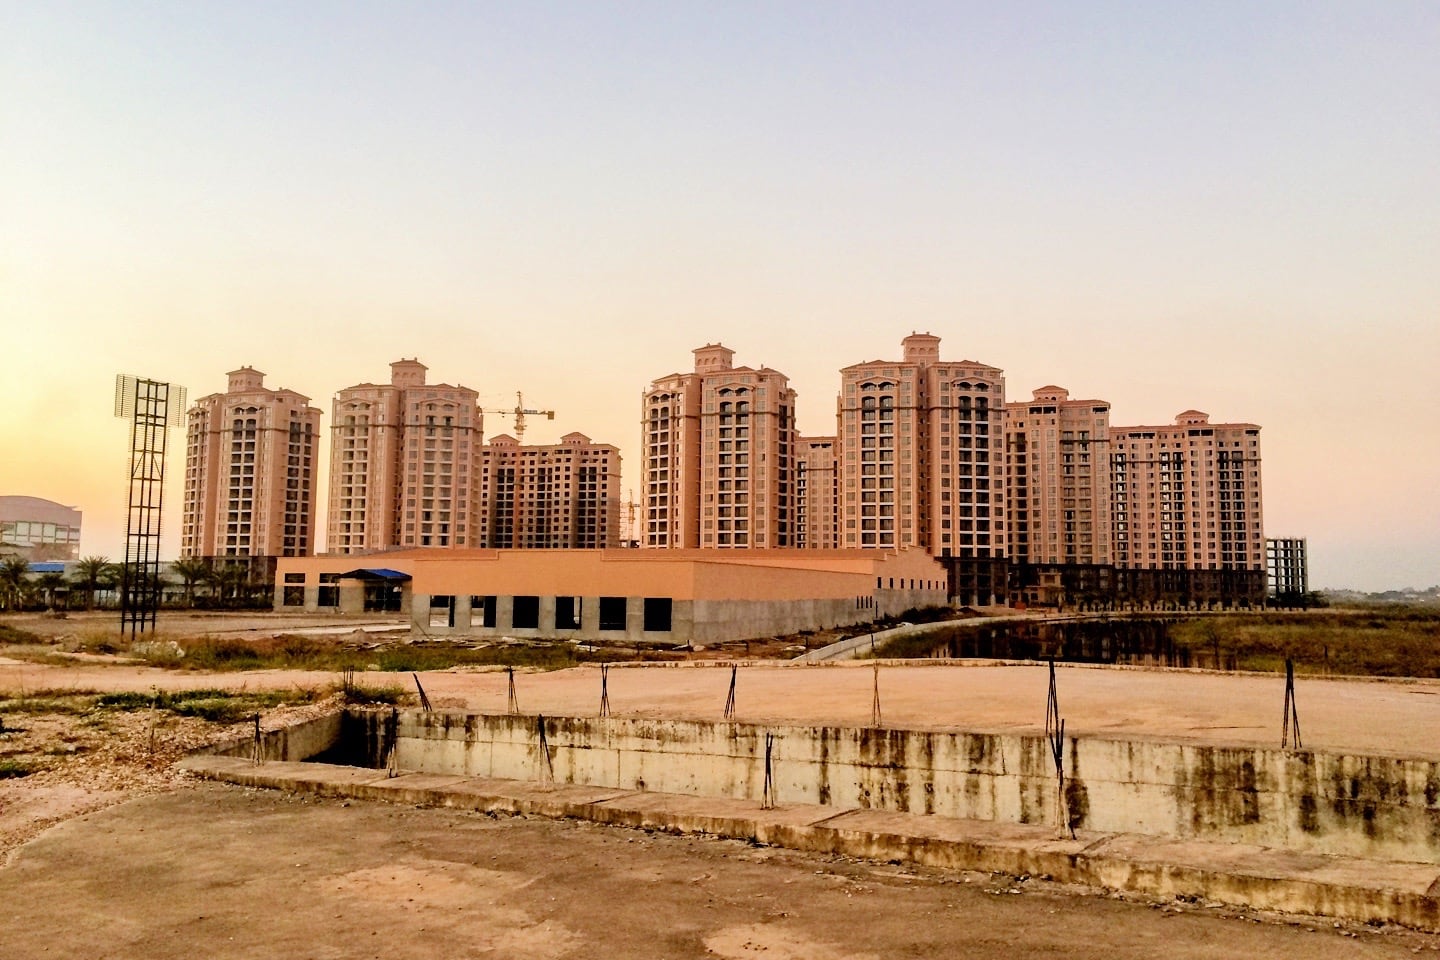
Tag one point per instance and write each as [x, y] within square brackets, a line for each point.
[1144, 641]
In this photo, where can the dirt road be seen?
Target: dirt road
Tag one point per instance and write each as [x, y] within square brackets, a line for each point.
[222, 872]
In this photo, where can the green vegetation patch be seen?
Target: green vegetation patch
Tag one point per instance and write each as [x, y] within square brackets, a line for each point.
[290, 652]
[389, 695]
[217, 706]
[1378, 642]
[17, 636]
[48, 700]
[11, 769]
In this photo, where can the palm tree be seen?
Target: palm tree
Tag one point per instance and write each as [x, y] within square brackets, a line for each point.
[14, 573]
[230, 581]
[92, 573]
[191, 571]
[51, 584]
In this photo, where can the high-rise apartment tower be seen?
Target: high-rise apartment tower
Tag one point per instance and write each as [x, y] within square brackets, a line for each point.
[563, 495]
[250, 472]
[815, 494]
[1057, 496]
[404, 464]
[1187, 497]
[920, 462]
[720, 448]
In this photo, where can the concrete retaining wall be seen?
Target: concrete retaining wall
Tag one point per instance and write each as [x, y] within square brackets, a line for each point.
[300, 741]
[1321, 803]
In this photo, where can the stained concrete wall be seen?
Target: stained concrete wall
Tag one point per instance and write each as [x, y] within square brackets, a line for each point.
[691, 621]
[299, 741]
[1321, 803]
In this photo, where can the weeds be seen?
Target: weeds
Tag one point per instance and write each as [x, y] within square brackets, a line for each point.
[390, 695]
[291, 652]
[217, 706]
[46, 701]
[17, 636]
[1403, 642]
[11, 769]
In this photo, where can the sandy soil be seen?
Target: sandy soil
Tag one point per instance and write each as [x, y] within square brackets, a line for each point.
[221, 872]
[95, 761]
[1386, 717]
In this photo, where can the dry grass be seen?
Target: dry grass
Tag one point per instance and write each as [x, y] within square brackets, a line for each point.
[1379, 641]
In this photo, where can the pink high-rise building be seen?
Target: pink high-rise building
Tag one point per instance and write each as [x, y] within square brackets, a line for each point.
[250, 472]
[563, 495]
[816, 505]
[404, 464]
[1187, 496]
[921, 462]
[719, 456]
[1058, 478]
[1057, 496]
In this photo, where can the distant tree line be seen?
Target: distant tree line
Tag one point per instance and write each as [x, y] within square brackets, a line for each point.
[94, 583]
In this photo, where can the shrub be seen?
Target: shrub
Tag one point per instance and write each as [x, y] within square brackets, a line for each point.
[17, 636]
[10, 769]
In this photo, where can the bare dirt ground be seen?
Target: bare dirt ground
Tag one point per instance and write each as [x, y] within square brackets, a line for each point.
[108, 852]
[224, 872]
[93, 761]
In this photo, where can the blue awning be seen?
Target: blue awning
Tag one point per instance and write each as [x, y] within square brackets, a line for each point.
[47, 566]
[375, 573]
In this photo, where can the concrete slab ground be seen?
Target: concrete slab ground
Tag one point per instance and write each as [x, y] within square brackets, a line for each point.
[1381, 717]
[224, 872]
[1242, 874]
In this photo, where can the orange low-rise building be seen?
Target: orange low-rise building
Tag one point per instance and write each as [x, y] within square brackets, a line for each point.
[672, 596]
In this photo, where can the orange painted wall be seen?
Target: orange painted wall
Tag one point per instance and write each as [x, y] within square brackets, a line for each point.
[679, 574]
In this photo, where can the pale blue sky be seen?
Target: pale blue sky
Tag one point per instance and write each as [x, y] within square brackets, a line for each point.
[1234, 207]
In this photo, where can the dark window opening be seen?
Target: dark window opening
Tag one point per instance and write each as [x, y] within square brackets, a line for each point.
[381, 597]
[294, 597]
[612, 613]
[525, 613]
[442, 610]
[567, 613]
[657, 614]
[486, 606]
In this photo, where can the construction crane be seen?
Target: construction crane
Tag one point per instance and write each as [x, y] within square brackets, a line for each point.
[519, 413]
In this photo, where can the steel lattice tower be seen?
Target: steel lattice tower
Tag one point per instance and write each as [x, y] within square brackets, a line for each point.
[152, 407]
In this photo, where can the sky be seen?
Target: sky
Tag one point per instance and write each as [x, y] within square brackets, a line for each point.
[1233, 207]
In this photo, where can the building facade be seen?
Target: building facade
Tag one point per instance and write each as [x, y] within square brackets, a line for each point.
[404, 464]
[920, 462]
[1186, 515]
[39, 530]
[250, 460]
[664, 597]
[720, 450]
[816, 504]
[1288, 568]
[556, 496]
[1057, 498]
